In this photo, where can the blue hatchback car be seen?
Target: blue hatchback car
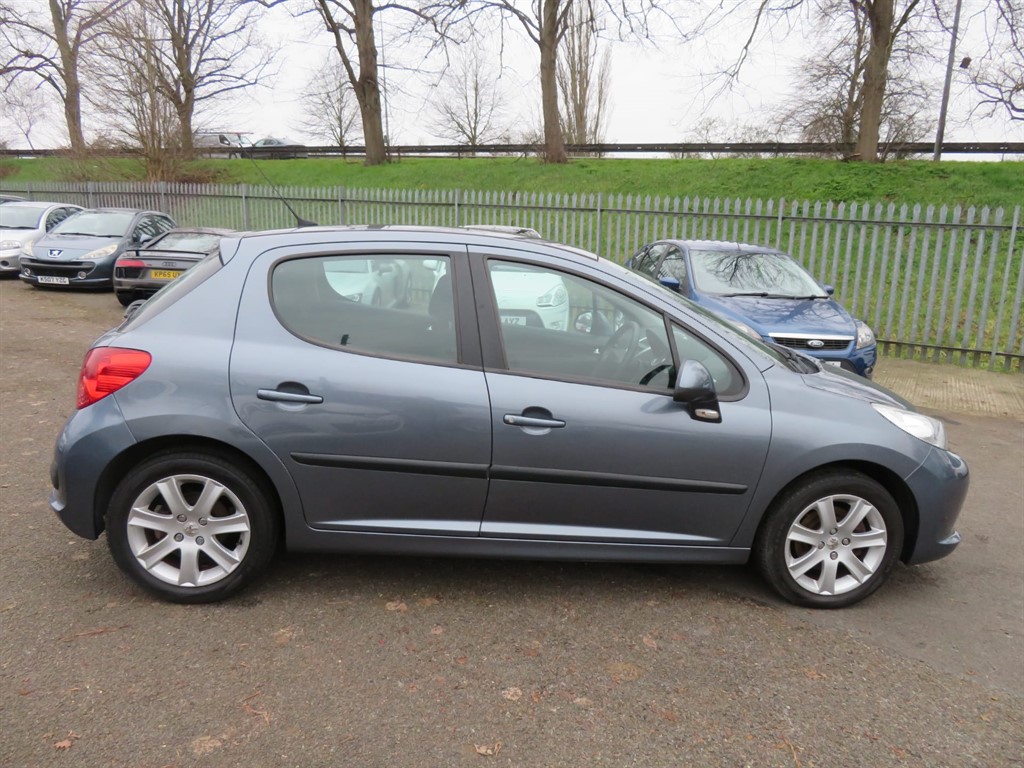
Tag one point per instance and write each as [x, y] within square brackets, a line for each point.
[764, 293]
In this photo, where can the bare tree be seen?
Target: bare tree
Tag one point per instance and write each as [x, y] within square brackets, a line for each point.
[330, 110]
[128, 67]
[45, 42]
[828, 97]
[546, 23]
[584, 79]
[207, 50]
[999, 78]
[23, 106]
[887, 23]
[472, 103]
[351, 26]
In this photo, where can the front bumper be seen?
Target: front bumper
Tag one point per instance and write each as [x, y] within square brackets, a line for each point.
[77, 273]
[940, 486]
[9, 262]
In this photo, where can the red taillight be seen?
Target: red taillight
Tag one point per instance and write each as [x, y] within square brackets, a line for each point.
[131, 263]
[107, 369]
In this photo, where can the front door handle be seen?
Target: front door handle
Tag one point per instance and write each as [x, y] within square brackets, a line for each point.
[278, 396]
[532, 421]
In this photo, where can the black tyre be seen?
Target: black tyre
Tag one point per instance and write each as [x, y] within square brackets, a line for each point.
[125, 298]
[191, 527]
[830, 540]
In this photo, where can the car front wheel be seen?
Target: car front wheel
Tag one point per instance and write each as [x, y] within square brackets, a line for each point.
[191, 527]
[830, 540]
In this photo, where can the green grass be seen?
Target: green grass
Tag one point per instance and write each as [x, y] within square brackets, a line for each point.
[914, 181]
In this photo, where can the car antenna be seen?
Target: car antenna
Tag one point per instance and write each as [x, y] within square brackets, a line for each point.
[299, 221]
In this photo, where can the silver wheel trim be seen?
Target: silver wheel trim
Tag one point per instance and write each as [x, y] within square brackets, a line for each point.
[836, 544]
[167, 533]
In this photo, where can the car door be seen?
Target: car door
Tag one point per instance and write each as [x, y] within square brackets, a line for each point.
[588, 442]
[380, 415]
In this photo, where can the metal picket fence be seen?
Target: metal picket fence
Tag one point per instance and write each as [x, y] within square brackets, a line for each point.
[937, 283]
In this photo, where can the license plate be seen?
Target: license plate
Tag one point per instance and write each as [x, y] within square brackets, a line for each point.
[513, 320]
[834, 363]
[53, 280]
[164, 274]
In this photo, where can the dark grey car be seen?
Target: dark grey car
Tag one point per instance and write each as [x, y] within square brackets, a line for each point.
[251, 404]
[140, 272]
[82, 249]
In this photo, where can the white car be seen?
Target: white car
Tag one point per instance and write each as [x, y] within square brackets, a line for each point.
[379, 283]
[527, 297]
[25, 222]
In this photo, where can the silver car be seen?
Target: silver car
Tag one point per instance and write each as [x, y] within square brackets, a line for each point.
[251, 404]
[24, 222]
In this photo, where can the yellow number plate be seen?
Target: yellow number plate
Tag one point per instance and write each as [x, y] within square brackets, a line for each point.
[164, 274]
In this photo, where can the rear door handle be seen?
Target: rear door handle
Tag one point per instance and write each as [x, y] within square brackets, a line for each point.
[532, 421]
[278, 396]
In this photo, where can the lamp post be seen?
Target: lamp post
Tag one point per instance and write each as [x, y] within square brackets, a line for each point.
[939, 133]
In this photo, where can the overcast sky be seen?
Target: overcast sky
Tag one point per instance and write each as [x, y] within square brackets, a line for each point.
[658, 94]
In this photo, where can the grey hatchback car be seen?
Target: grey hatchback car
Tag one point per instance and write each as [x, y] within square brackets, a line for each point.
[249, 404]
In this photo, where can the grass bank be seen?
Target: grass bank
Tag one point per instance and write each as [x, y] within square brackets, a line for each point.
[912, 181]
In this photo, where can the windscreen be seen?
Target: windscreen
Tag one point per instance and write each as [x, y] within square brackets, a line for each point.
[730, 273]
[186, 241]
[96, 224]
[21, 216]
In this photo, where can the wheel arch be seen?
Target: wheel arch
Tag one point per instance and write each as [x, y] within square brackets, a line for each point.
[139, 452]
[882, 475]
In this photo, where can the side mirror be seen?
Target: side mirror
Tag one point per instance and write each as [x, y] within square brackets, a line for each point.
[696, 390]
[671, 283]
[829, 289]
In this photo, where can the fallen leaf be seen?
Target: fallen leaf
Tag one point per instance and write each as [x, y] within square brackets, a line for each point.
[625, 671]
[438, 630]
[488, 750]
[284, 636]
[813, 674]
[65, 743]
[650, 642]
[397, 606]
[512, 694]
[428, 601]
[582, 701]
[204, 745]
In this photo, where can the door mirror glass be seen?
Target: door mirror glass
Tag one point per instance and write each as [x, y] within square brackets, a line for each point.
[671, 283]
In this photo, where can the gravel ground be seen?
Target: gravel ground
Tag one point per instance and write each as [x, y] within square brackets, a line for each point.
[372, 661]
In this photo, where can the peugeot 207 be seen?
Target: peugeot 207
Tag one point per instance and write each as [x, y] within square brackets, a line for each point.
[250, 404]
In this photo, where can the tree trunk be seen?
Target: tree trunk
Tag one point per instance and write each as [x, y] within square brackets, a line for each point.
[880, 20]
[367, 87]
[554, 142]
[69, 66]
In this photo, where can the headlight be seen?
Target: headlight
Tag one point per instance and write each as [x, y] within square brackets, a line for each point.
[917, 424]
[552, 298]
[739, 325]
[26, 248]
[356, 297]
[865, 336]
[99, 253]
[9, 245]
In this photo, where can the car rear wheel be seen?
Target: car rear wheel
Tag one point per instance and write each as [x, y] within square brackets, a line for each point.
[830, 540]
[125, 298]
[191, 527]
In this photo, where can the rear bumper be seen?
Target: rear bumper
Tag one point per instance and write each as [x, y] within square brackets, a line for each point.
[87, 445]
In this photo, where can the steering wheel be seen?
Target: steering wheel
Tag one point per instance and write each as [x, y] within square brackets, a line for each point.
[621, 347]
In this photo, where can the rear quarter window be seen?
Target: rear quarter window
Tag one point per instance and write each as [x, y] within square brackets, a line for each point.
[174, 290]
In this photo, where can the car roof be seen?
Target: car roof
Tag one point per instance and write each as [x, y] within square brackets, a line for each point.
[464, 235]
[724, 245]
[40, 204]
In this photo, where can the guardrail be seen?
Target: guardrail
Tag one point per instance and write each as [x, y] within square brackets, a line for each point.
[485, 150]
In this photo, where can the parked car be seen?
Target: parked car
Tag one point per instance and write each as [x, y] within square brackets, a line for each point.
[24, 222]
[220, 143]
[377, 282]
[82, 249]
[764, 292]
[141, 272]
[280, 149]
[250, 404]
